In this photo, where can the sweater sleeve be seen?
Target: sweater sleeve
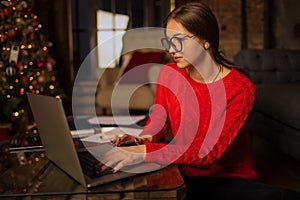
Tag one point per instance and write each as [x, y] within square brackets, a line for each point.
[157, 124]
[207, 148]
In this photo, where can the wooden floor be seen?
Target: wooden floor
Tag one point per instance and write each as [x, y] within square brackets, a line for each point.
[275, 167]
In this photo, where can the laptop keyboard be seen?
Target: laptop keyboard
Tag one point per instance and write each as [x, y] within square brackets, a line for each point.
[88, 162]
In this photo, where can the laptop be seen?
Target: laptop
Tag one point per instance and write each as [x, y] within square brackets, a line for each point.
[59, 147]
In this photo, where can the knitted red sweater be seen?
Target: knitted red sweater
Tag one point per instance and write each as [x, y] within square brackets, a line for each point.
[208, 122]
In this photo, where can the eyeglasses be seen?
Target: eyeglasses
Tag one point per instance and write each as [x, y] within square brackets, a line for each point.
[175, 42]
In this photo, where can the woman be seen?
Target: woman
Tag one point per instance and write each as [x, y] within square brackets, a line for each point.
[205, 101]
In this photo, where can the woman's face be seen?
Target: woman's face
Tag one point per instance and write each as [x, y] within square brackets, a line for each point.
[182, 43]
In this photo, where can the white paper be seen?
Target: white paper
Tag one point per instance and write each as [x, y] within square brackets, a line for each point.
[82, 132]
[97, 138]
[119, 131]
[112, 134]
[116, 120]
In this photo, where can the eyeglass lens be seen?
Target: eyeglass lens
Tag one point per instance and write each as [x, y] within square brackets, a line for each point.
[174, 42]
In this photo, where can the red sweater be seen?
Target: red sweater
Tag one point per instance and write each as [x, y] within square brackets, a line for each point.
[208, 122]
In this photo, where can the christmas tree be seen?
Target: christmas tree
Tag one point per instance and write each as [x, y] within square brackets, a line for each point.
[26, 64]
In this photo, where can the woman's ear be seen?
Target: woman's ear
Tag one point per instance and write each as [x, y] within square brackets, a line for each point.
[206, 45]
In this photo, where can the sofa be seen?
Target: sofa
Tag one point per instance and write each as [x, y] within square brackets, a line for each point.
[276, 115]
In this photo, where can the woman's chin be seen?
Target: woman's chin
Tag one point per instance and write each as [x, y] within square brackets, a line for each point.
[182, 65]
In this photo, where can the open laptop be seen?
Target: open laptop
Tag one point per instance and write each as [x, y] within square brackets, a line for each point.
[59, 146]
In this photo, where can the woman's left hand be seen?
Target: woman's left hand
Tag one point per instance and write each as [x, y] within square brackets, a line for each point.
[122, 156]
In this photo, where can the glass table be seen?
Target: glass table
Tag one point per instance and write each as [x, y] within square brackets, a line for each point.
[31, 174]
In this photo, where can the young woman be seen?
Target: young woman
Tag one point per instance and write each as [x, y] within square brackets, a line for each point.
[205, 101]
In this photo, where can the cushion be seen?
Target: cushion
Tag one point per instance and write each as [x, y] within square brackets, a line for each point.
[280, 102]
[136, 71]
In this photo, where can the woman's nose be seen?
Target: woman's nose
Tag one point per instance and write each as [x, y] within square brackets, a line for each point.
[172, 50]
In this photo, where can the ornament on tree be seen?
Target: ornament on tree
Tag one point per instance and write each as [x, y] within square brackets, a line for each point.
[22, 91]
[19, 65]
[10, 71]
[49, 66]
[5, 55]
[42, 79]
[11, 34]
[30, 29]
[34, 82]
[14, 54]
[2, 37]
[40, 64]
[24, 80]
[6, 10]
[1, 65]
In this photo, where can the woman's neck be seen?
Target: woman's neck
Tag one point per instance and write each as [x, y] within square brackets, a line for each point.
[209, 75]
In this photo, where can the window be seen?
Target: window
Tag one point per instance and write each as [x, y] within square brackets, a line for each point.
[110, 30]
[87, 28]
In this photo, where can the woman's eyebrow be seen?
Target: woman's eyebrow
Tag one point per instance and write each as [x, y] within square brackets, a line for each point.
[177, 34]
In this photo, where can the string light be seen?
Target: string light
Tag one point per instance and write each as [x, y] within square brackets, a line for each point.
[22, 91]
[16, 114]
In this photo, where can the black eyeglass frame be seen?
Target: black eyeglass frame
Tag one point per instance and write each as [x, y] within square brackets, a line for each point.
[165, 41]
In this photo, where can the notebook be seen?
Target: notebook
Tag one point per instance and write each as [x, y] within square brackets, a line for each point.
[59, 146]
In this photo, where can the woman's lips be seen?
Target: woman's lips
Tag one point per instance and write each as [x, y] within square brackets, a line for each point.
[177, 58]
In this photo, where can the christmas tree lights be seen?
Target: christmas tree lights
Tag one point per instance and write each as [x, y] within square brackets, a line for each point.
[25, 61]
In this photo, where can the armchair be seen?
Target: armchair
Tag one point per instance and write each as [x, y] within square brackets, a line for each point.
[130, 87]
[127, 88]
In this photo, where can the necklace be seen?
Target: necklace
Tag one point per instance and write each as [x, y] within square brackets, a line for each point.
[219, 73]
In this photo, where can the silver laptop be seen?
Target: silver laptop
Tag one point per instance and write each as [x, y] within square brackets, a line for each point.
[59, 146]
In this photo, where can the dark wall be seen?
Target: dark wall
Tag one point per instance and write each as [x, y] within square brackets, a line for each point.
[55, 16]
[286, 24]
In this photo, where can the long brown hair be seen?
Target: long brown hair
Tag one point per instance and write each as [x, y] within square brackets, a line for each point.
[198, 19]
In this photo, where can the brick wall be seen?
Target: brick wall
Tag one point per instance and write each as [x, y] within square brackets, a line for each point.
[228, 14]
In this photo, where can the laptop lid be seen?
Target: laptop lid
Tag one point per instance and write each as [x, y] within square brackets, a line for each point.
[54, 131]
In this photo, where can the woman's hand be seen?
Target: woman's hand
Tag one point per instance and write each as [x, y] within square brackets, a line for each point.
[120, 157]
[128, 140]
